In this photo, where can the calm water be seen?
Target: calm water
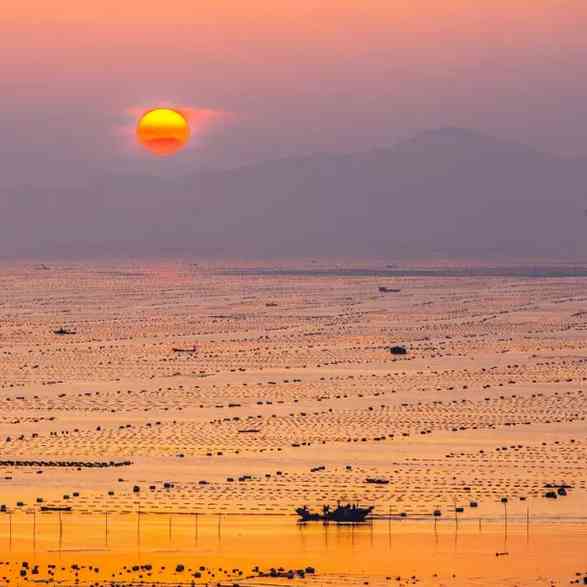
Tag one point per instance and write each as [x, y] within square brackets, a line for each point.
[520, 272]
[375, 550]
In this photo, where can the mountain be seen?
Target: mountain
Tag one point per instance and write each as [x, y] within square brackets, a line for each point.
[449, 193]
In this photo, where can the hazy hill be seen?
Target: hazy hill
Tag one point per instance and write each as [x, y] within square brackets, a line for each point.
[447, 192]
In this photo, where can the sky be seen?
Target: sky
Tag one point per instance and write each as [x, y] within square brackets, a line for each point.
[268, 80]
[296, 76]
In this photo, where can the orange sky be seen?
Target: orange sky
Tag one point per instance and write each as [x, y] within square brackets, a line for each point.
[259, 33]
[318, 20]
[175, 11]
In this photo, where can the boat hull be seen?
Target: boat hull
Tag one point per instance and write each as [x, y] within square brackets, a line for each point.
[340, 515]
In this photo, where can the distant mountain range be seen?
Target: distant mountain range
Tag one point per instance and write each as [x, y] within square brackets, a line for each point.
[449, 193]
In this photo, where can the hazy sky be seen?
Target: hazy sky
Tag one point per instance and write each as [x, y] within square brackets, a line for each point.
[296, 77]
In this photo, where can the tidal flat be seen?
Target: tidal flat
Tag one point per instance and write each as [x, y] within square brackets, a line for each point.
[161, 421]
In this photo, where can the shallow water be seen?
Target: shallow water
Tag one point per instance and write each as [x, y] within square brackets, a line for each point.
[547, 271]
[292, 398]
[433, 552]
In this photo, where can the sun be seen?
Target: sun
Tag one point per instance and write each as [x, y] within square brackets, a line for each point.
[163, 131]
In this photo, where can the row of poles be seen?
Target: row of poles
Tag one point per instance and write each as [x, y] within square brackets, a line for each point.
[196, 515]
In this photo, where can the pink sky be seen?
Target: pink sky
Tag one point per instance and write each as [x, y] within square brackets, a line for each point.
[268, 79]
[298, 76]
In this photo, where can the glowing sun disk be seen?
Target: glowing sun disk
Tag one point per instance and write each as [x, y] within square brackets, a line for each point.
[163, 131]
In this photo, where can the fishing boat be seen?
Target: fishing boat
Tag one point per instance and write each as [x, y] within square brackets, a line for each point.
[194, 349]
[377, 481]
[349, 513]
[63, 331]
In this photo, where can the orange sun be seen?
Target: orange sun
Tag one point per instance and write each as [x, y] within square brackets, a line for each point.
[163, 131]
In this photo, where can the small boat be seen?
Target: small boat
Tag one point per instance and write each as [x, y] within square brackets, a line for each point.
[350, 513]
[377, 481]
[194, 349]
[398, 350]
[49, 508]
[63, 331]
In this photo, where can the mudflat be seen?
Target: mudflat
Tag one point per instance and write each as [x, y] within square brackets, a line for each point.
[161, 422]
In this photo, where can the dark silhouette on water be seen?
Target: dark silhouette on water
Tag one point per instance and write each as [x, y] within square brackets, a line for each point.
[194, 349]
[377, 481]
[63, 331]
[398, 350]
[349, 513]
